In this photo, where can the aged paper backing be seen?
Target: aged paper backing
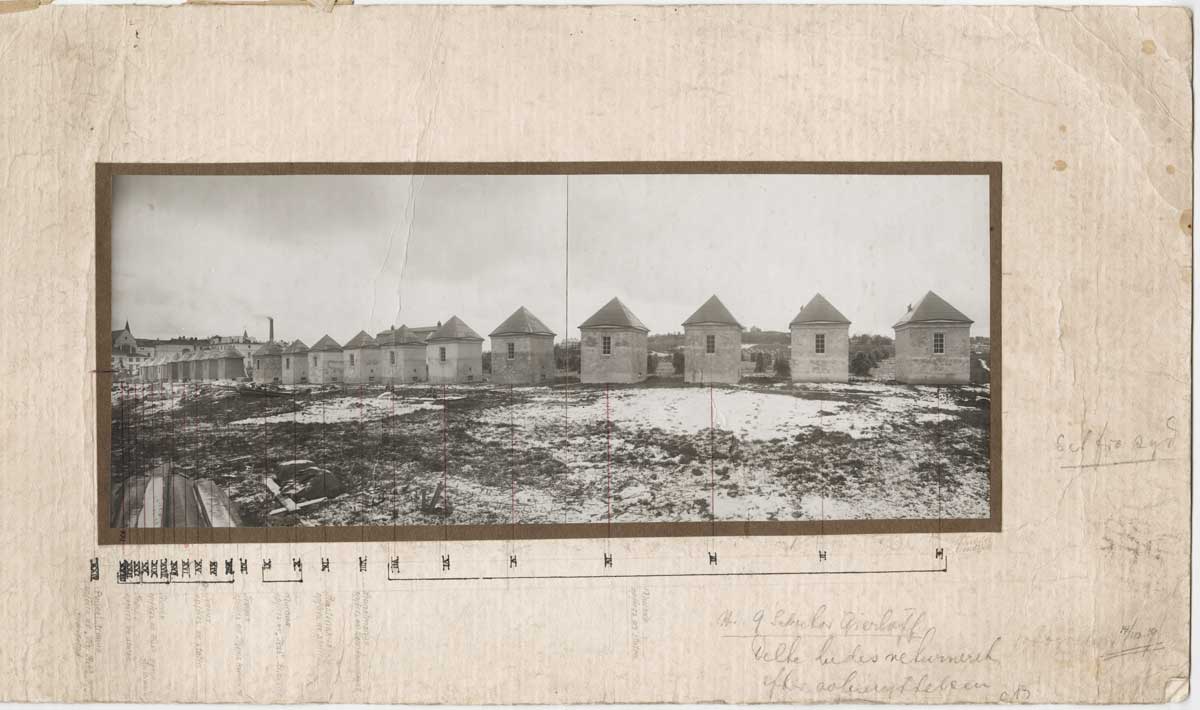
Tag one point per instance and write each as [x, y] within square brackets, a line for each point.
[1083, 596]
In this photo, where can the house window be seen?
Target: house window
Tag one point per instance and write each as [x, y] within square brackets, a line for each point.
[820, 343]
[512, 350]
[392, 357]
[257, 364]
[606, 345]
[287, 363]
[442, 354]
[351, 359]
[314, 360]
[710, 343]
[939, 343]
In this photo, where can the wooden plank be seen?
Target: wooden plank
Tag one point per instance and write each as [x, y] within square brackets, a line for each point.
[305, 504]
[128, 501]
[217, 507]
[288, 503]
[151, 513]
[181, 509]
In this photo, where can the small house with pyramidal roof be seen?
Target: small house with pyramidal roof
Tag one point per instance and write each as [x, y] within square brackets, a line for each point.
[454, 353]
[325, 365]
[361, 356]
[402, 356]
[612, 346]
[295, 363]
[712, 345]
[933, 344]
[268, 363]
[820, 343]
[522, 350]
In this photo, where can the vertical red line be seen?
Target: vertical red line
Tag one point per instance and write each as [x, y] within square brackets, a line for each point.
[712, 475]
[362, 436]
[445, 455]
[608, 425]
[391, 429]
[125, 457]
[513, 459]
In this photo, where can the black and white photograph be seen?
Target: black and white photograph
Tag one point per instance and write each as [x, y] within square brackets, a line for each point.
[544, 349]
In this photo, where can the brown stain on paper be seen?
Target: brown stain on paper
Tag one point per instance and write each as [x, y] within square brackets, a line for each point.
[1149, 47]
[1185, 222]
[1060, 165]
[7, 6]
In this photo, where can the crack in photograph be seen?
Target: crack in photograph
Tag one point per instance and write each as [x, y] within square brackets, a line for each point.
[552, 352]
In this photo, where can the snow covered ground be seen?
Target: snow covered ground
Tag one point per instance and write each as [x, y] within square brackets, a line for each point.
[866, 412]
[659, 452]
[345, 409]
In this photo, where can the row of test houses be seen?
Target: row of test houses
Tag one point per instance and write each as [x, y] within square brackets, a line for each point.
[932, 347]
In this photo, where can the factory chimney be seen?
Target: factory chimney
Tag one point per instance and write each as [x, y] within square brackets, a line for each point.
[271, 336]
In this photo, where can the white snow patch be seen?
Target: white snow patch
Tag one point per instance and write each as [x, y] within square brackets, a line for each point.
[749, 413]
[343, 409]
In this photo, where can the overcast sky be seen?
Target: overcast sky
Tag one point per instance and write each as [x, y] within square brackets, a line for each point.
[338, 254]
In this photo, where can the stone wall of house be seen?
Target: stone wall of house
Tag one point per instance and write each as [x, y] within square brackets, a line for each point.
[532, 362]
[463, 363]
[916, 362]
[810, 366]
[722, 366]
[626, 363]
[268, 368]
[295, 368]
[403, 363]
[361, 366]
[325, 367]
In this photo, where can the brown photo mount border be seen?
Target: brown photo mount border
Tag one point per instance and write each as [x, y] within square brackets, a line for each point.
[447, 532]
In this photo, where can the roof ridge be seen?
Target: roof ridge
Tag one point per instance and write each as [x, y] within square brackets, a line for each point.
[614, 314]
[819, 310]
[712, 311]
[522, 322]
[932, 308]
[455, 329]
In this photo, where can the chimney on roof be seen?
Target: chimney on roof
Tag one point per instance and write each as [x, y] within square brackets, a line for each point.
[271, 329]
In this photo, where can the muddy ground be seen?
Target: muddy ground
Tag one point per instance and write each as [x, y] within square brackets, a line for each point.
[658, 452]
